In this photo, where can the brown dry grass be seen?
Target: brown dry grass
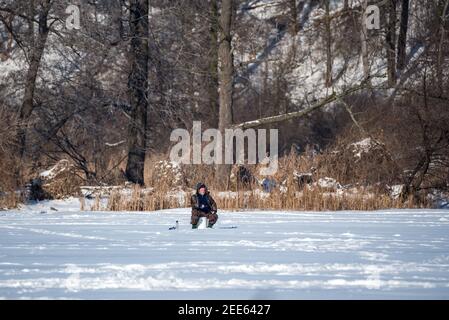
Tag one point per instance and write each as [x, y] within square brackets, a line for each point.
[371, 192]
[8, 160]
[306, 200]
[316, 200]
[355, 196]
[10, 199]
[140, 199]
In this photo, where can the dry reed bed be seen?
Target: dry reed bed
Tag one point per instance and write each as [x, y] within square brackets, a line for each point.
[307, 200]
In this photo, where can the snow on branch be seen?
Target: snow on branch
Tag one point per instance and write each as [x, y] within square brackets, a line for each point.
[115, 144]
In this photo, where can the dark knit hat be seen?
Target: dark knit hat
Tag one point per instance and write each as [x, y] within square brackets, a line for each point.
[200, 185]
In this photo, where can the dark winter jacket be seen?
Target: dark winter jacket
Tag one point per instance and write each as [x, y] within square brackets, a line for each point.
[204, 203]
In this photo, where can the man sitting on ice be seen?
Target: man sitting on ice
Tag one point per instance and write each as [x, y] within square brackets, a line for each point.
[203, 205]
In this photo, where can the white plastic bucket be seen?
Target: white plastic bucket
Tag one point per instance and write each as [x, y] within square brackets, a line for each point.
[202, 223]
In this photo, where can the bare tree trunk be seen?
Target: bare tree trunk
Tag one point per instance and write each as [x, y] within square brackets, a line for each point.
[440, 48]
[117, 18]
[226, 78]
[138, 90]
[294, 26]
[402, 40]
[328, 45]
[391, 43]
[364, 42]
[213, 66]
[37, 47]
[416, 178]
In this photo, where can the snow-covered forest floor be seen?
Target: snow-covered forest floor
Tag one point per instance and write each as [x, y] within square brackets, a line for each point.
[67, 253]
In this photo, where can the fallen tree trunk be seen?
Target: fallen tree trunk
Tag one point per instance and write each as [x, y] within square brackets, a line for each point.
[297, 114]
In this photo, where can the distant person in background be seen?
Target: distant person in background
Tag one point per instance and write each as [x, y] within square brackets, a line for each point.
[268, 184]
[203, 205]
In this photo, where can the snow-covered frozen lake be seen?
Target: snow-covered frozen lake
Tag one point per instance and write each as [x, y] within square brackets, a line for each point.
[396, 254]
